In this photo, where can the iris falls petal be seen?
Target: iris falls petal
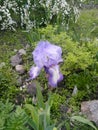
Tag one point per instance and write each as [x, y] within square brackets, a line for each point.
[54, 75]
[34, 72]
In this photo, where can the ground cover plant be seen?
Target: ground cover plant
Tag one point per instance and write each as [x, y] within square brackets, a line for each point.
[31, 106]
[35, 116]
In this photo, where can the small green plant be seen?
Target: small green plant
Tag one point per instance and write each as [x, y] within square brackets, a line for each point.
[83, 120]
[7, 85]
[57, 100]
[12, 117]
[40, 114]
[77, 123]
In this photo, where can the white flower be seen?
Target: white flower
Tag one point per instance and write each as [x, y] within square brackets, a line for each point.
[0, 18]
[52, 7]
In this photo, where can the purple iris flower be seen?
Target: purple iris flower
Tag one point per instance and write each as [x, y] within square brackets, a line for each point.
[47, 56]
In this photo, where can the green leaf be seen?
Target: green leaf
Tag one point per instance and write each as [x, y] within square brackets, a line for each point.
[32, 124]
[83, 120]
[51, 127]
[2, 122]
[67, 124]
[47, 113]
[34, 114]
[39, 96]
[41, 119]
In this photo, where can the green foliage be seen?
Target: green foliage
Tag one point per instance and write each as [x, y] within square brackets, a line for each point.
[7, 84]
[58, 100]
[80, 68]
[28, 14]
[86, 83]
[84, 121]
[75, 56]
[40, 101]
[80, 61]
[10, 41]
[40, 114]
[77, 123]
[15, 118]
[82, 80]
[86, 27]
[12, 118]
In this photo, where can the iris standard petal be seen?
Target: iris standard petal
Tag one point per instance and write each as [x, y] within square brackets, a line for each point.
[34, 72]
[54, 75]
[46, 54]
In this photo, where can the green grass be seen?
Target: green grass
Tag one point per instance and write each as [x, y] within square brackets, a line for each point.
[9, 41]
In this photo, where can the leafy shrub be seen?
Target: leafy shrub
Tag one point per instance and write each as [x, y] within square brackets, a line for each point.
[15, 118]
[81, 80]
[7, 85]
[86, 27]
[12, 118]
[10, 41]
[58, 100]
[37, 117]
[28, 13]
[86, 124]
[75, 56]
[80, 63]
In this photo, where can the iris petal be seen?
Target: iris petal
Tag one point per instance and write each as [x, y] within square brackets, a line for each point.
[47, 54]
[54, 75]
[34, 72]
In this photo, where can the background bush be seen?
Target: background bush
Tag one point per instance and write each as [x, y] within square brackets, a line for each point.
[86, 27]
[80, 63]
[11, 117]
[30, 13]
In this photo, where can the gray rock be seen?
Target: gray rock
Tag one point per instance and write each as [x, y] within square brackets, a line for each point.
[20, 98]
[27, 46]
[22, 52]
[90, 109]
[2, 64]
[15, 50]
[19, 81]
[64, 108]
[15, 60]
[20, 69]
[75, 91]
[31, 89]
